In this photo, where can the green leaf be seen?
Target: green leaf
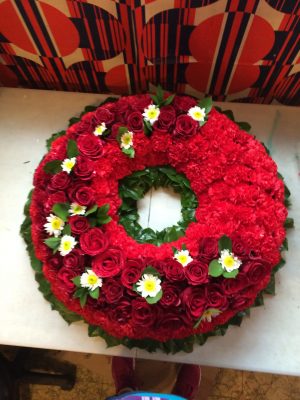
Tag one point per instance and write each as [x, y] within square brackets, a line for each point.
[229, 114]
[95, 293]
[215, 269]
[285, 245]
[150, 270]
[61, 210]
[206, 103]
[153, 300]
[289, 223]
[53, 167]
[225, 243]
[80, 292]
[73, 120]
[147, 128]
[91, 210]
[67, 230]
[52, 242]
[244, 126]
[53, 138]
[122, 130]
[76, 280]
[159, 94]
[168, 100]
[72, 149]
[83, 300]
[231, 274]
[129, 152]
[104, 220]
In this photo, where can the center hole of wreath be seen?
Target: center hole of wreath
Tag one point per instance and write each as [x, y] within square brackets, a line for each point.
[159, 209]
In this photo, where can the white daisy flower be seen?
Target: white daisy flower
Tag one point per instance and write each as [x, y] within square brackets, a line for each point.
[126, 140]
[183, 257]
[68, 164]
[90, 280]
[54, 226]
[77, 209]
[197, 113]
[149, 285]
[67, 244]
[229, 261]
[151, 113]
[100, 129]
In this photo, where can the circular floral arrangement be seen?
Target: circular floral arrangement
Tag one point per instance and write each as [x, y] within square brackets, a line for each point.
[139, 287]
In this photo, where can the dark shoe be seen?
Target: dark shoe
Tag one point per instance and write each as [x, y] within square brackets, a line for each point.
[188, 381]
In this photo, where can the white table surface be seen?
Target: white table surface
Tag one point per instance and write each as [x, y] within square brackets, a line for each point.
[267, 341]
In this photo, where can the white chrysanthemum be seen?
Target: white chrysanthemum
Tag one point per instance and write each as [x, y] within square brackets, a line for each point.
[54, 226]
[149, 285]
[90, 280]
[229, 261]
[68, 164]
[67, 244]
[197, 113]
[77, 209]
[209, 314]
[127, 140]
[151, 113]
[100, 129]
[183, 257]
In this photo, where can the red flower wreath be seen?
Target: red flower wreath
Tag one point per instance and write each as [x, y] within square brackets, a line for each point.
[101, 273]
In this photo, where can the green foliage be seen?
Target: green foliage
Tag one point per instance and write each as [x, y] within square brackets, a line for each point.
[72, 149]
[159, 98]
[54, 137]
[52, 242]
[215, 269]
[225, 243]
[61, 210]
[53, 167]
[135, 186]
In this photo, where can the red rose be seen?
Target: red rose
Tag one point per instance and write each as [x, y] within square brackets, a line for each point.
[83, 127]
[196, 272]
[84, 168]
[215, 297]
[173, 271]
[143, 314]
[90, 146]
[121, 312]
[58, 197]
[131, 272]
[239, 248]
[83, 195]
[182, 104]
[78, 224]
[231, 286]
[54, 263]
[140, 102]
[74, 260]
[166, 119]
[109, 263]
[93, 242]
[170, 295]
[59, 181]
[194, 301]
[241, 302]
[185, 126]
[208, 249]
[103, 115]
[172, 320]
[135, 122]
[112, 290]
[256, 271]
[123, 108]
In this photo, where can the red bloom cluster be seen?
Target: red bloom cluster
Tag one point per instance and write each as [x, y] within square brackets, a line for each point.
[238, 192]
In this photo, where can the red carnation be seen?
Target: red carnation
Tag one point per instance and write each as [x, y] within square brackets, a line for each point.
[185, 127]
[196, 272]
[90, 146]
[109, 263]
[93, 242]
[78, 224]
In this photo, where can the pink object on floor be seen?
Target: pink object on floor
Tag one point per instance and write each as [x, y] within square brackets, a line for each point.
[123, 373]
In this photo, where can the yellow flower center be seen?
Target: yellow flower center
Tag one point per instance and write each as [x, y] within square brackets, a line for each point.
[152, 113]
[126, 139]
[69, 164]
[67, 245]
[92, 279]
[150, 286]
[182, 258]
[56, 223]
[77, 208]
[99, 130]
[198, 114]
[228, 261]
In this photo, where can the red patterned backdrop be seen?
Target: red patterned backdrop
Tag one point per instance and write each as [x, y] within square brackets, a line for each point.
[241, 50]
